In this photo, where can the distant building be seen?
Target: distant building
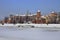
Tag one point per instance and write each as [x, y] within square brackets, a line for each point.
[37, 18]
[53, 17]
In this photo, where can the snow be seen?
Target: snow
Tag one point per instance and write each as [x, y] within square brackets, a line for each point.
[51, 25]
[52, 12]
[38, 11]
[28, 34]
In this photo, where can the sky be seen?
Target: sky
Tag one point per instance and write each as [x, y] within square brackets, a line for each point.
[8, 7]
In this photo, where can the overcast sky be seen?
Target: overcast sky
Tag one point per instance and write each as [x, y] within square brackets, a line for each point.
[20, 6]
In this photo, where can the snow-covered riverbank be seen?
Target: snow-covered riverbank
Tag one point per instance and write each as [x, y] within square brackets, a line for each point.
[35, 25]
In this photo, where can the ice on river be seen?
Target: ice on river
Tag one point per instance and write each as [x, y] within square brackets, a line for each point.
[28, 34]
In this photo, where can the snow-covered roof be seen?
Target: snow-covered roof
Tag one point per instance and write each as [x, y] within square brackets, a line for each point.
[52, 12]
[43, 17]
[38, 11]
[25, 15]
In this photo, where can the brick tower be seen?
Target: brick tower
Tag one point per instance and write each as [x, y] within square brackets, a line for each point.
[38, 17]
[38, 14]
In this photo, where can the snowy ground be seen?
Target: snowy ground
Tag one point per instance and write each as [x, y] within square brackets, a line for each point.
[28, 34]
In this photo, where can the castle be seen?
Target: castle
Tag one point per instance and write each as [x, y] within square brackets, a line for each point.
[35, 18]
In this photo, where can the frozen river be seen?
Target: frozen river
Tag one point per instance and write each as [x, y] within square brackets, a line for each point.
[28, 34]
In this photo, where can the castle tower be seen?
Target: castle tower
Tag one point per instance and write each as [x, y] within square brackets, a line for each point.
[53, 13]
[38, 14]
[38, 17]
